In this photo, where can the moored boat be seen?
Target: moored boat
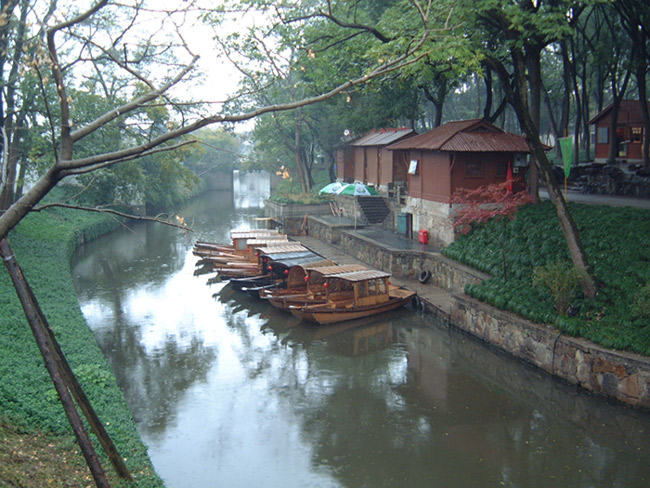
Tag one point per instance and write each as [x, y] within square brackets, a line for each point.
[354, 295]
[305, 284]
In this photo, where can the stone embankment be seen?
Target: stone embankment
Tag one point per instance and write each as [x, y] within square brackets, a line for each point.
[613, 374]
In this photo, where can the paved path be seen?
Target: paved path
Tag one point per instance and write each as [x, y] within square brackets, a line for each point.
[610, 200]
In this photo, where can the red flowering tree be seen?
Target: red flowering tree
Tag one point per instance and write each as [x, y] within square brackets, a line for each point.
[485, 203]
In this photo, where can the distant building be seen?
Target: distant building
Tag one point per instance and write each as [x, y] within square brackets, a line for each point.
[629, 132]
[366, 160]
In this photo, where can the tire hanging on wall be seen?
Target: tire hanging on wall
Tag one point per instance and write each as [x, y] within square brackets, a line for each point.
[424, 277]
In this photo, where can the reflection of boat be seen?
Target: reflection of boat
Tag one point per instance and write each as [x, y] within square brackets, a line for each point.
[354, 295]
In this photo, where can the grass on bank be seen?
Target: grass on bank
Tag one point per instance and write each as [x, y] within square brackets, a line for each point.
[616, 243]
[30, 411]
[290, 191]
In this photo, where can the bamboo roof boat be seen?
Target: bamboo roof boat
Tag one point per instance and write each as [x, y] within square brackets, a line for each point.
[273, 260]
[354, 295]
[299, 289]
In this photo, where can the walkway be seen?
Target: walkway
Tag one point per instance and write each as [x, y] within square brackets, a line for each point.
[610, 200]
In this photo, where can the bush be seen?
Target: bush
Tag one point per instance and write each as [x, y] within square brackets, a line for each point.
[561, 280]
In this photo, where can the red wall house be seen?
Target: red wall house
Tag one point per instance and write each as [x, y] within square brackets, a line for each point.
[372, 163]
[629, 131]
[463, 154]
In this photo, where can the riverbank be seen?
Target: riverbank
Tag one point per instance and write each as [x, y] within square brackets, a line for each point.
[618, 375]
[30, 409]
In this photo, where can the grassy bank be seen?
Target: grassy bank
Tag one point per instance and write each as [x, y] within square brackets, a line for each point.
[616, 243]
[33, 425]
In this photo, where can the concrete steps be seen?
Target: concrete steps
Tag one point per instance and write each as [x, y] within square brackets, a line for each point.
[373, 208]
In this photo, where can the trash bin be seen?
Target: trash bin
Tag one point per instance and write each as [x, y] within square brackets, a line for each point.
[423, 236]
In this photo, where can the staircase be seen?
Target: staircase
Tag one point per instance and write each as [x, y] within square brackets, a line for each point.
[374, 209]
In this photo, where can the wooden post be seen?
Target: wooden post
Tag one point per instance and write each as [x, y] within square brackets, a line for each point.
[62, 375]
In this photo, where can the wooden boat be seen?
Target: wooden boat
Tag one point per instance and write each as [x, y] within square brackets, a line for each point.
[305, 284]
[354, 295]
[268, 261]
[239, 246]
[253, 281]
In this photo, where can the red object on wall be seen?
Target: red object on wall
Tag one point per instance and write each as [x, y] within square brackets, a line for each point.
[423, 236]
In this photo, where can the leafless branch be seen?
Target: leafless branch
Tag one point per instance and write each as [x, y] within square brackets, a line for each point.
[106, 164]
[158, 218]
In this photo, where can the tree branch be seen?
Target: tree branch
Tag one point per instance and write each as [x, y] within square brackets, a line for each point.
[158, 218]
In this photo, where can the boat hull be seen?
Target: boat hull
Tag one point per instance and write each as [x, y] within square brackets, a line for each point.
[326, 314]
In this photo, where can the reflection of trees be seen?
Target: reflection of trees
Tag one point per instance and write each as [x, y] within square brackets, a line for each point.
[526, 425]
[250, 189]
[153, 383]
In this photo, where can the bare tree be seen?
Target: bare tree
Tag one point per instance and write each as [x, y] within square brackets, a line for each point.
[106, 42]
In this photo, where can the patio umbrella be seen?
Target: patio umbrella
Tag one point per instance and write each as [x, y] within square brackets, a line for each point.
[357, 189]
[331, 189]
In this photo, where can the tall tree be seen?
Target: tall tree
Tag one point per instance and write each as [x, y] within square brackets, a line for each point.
[515, 24]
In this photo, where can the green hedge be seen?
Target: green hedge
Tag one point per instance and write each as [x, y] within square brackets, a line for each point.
[43, 244]
[616, 243]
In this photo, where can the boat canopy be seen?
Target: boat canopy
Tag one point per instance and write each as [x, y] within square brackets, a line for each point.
[281, 249]
[292, 262]
[297, 273]
[362, 275]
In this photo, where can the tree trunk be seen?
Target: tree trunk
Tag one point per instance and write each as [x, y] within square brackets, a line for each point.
[533, 63]
[48, 351]
[641, 70]
[518, 98]
[304, 183]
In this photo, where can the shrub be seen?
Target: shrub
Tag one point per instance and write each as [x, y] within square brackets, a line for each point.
[641, 309]
[561, 280]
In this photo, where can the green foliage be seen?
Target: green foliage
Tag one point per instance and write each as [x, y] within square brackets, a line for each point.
[289, 191]
[561, 280]
[43, 244]
[615, 243]
[641, 308]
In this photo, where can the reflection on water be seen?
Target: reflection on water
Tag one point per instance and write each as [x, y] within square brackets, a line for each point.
[250, 189]
[228, 391]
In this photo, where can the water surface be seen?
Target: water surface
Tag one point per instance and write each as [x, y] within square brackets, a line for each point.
[227, 391]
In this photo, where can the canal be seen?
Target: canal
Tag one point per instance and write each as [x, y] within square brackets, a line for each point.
[227, 391]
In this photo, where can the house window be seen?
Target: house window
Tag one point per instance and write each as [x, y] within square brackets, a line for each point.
[473, 169]
[603, 135]
[413, 167]
[636, 134]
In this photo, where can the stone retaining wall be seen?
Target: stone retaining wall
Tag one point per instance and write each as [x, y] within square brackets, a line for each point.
[623, 376]
[326, 231]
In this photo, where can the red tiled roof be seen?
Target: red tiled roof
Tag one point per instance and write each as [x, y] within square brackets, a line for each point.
[474, 135]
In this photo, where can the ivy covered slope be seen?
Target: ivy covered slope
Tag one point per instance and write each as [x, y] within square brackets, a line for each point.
[43, 244]
[616, 243]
